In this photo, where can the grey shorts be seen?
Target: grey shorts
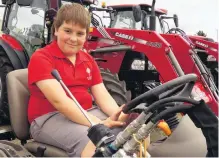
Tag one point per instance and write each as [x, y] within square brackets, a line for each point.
[57, 130]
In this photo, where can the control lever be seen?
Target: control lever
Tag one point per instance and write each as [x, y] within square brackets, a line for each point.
[99, 134]
[56, 75]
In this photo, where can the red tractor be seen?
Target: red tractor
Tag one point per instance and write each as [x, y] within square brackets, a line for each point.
[206, 48]
[182, 47]
[124, 11]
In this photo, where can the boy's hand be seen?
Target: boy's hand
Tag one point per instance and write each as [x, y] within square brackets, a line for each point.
[113, 121]
[123, 117]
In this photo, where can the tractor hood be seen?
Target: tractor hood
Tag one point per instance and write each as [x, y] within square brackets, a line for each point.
[203, 38]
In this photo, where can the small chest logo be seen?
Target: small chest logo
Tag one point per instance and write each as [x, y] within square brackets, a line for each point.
[89, 74]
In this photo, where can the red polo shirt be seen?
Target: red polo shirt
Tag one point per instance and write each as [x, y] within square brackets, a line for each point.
[78, 78]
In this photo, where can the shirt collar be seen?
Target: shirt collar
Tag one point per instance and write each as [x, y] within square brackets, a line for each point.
[56, 52]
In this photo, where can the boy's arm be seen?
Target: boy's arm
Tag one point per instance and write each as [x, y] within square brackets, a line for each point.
[55, 94]
[105, 101]
[52, 89]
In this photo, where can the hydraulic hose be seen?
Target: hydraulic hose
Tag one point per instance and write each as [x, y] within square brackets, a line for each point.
[203, 118]
[172, 120]
[162, 103]
[176, 109]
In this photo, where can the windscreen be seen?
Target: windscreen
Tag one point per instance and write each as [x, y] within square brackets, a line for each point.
[125, 19]
[26, 24]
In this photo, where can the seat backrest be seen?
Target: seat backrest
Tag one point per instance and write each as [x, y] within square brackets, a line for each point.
[18, 97]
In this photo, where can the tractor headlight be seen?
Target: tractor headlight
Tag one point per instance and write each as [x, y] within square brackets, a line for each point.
[199, 93]
[211, 58]
[138, 65]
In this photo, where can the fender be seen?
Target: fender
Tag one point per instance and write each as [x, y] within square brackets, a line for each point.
[17, 57]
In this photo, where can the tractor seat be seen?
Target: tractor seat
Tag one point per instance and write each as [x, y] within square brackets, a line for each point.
[18, 97]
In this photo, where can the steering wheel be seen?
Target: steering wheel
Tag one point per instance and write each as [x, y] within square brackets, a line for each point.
[181, 86]
[138, 130]
[201, 115]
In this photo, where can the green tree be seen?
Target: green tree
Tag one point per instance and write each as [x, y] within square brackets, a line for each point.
[201, 33]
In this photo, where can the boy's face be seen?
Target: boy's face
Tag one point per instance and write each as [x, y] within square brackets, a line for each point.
[70, 38]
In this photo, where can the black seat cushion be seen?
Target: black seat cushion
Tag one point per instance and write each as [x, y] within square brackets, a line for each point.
[50, 151]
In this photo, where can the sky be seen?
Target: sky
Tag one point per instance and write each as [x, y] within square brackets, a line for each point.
[194, 15]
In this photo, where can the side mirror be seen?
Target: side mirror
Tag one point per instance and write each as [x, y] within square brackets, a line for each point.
[24, 2]
[112, 14]
[176, 20]
[137, 13]
[145, 20]
[145, 23]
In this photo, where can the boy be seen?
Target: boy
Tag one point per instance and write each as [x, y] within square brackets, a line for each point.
[54, 117]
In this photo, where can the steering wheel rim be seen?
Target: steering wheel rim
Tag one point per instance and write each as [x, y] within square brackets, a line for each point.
[182, 33]
[186, 80]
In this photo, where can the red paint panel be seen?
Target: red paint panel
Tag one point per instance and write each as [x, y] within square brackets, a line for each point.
[12, 42]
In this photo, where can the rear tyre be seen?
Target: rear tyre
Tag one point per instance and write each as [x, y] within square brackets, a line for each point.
[213, 74]
[5, 68]
[115, 87]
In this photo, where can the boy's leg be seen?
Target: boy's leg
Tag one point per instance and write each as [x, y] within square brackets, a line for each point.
[89, 149]
[55, 129]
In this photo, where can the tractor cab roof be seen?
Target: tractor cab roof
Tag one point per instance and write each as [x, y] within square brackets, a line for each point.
[144, 6]
[29, 2]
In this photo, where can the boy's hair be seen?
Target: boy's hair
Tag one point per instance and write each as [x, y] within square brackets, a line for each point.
[75, 13]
